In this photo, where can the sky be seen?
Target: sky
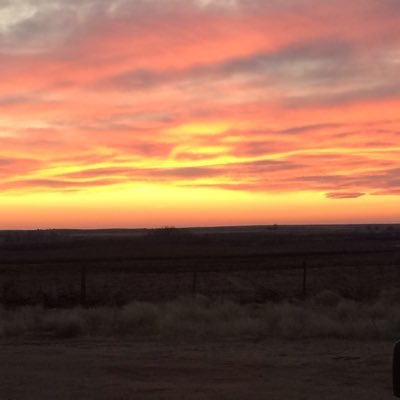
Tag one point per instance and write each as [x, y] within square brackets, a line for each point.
[147, 113]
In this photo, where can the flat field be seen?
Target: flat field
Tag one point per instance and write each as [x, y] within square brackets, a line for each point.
[262, 341]
[246, 264]
[225, 370]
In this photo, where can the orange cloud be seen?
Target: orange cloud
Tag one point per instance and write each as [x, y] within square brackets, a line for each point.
[295, 100]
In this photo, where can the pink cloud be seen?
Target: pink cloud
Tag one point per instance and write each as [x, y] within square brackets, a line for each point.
[310, 91]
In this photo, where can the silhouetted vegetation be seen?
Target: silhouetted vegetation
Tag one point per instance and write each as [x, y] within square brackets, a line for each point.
[324, 315]
[242, 264]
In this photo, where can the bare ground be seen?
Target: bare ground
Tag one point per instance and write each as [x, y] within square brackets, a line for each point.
[250, 370]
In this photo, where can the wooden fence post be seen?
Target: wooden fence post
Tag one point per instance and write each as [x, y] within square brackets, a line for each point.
[83, 298]
[304, 279]
[194, 283]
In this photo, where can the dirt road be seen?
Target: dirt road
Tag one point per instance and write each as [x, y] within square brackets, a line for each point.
[127, 369]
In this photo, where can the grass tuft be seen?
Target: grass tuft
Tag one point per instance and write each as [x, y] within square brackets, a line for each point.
[325, 315]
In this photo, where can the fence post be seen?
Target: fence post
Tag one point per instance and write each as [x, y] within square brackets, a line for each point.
[194, 283]
[304, 279]
[83, 298]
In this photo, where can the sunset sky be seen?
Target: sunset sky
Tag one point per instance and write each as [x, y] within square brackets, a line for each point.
[145, 113]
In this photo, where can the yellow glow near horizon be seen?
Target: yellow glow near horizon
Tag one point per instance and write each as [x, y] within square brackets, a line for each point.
[200, 115]
[156, 205]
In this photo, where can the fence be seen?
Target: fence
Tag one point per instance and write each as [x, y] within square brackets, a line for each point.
[243, 277]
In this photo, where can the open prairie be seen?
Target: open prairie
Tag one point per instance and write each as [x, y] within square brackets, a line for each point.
[213, 313]
[312, 369]
[246, 264]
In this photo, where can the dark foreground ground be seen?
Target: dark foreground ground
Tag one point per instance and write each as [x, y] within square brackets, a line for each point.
[125, 369]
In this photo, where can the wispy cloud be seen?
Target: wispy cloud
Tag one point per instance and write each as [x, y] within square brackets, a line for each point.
[254, 96]
[344, 195]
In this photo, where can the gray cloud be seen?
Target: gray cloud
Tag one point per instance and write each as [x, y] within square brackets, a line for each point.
[22, 99]
[54, 184]
[36, 27]
[344, 195]
[33, 24]
[327, 70]
[5, 162]
[323, 71]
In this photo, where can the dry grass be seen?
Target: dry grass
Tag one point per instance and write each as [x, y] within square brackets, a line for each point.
[325, 315]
